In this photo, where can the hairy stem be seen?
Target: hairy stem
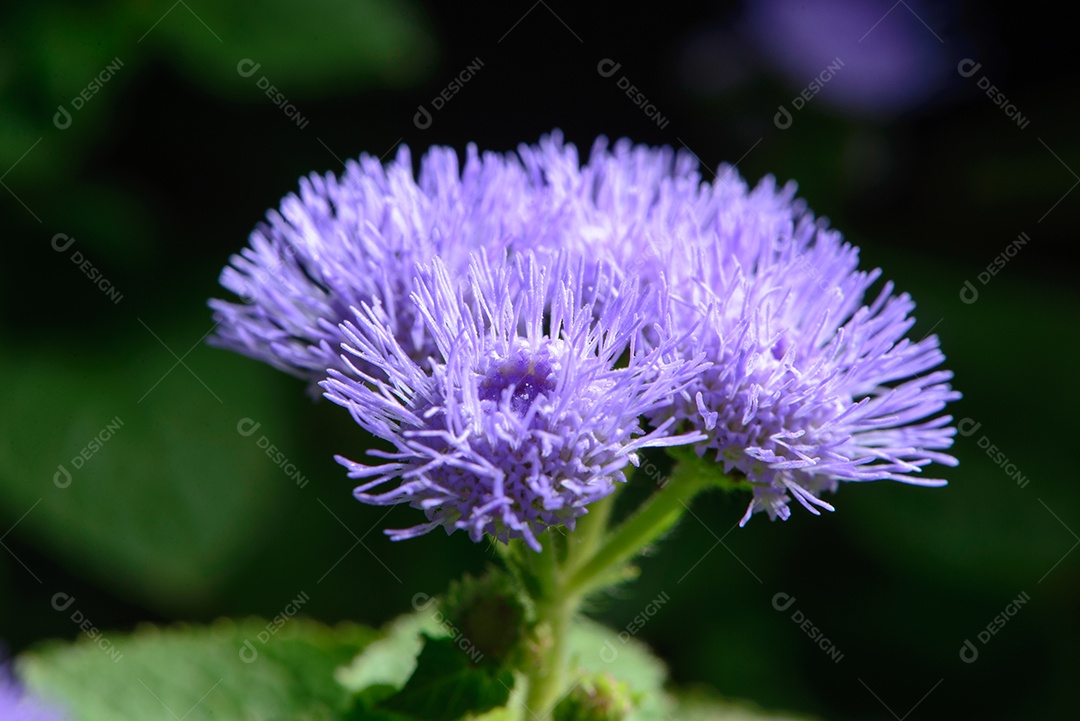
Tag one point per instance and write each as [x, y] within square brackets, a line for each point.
[555, 610]
[656, 516]
[594, 558]
[589, 532]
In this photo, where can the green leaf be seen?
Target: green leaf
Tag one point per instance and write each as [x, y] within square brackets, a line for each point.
[386, 664]
[416, 672]
[596, 649]
[135, 474]
[238, 671]
[514, 710]
[707, 706]
[304, 50]
[596, 698]
[446, 685]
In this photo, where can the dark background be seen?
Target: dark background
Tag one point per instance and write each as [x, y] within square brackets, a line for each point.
[165, 170]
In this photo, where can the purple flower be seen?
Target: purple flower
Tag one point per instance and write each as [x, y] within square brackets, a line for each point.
[17, 705]
[344, 242]
[868, 58]
[493, 374]
[625, 200]
[525, 415]
[809, 384]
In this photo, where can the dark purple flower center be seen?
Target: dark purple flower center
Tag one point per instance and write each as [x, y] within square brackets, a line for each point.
[529, 374]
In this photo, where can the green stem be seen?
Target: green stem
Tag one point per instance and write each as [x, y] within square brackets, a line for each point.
[656, 515]
[548, 679]
[590, 532]
[555, 610]
[546, 567]
[593, 558]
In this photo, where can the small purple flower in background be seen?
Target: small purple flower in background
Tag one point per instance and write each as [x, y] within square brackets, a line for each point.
[344, 242]
[893, 60]
[525, 416]
[18, 705]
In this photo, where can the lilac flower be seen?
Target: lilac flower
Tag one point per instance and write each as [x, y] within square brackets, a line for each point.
[345, 242]
[624, 204]
[809, 384]
[505, 423]
[522, 418]
[862, 57]
[18, 705]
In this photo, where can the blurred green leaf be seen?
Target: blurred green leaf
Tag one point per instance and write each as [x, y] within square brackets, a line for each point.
[447, 686]
[305, 49]
[386, 665]
[221, 672]
[136, 474]
[706, 706]
[416, 672]
[596, 649]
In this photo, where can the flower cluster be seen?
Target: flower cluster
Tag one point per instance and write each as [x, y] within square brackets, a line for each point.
[342, 242]
[808, 386]
[517, 329]
[524, 416]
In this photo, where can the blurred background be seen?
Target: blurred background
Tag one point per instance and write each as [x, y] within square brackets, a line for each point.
[140, 142]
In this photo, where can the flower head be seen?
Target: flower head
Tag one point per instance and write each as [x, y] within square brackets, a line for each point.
[496, 374]
[809, 383]
[525, 415]
[343, 242]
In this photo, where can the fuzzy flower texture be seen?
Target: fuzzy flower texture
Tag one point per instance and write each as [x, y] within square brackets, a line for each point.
[517, 328]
